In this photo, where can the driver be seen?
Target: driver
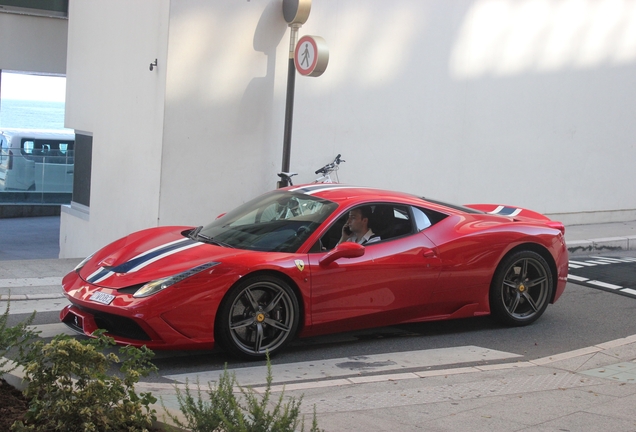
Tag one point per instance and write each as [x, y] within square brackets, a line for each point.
[357, 228]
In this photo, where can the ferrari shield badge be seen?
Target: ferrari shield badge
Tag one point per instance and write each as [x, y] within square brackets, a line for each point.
[300, 264]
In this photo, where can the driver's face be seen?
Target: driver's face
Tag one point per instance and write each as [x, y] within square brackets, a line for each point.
[356, 222]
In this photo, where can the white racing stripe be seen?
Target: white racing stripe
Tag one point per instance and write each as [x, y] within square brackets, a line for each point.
[95, 278]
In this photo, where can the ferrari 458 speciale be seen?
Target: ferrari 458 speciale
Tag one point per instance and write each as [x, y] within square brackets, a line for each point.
[277, 268]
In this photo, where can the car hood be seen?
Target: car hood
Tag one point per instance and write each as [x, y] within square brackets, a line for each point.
[149, 255]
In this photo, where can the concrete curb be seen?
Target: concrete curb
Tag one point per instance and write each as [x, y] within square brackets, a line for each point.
[19, 297]
[609, 244]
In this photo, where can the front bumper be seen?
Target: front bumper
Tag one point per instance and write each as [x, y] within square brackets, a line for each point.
[161, 322]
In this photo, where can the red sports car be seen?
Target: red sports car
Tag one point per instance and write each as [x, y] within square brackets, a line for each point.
[280, 266]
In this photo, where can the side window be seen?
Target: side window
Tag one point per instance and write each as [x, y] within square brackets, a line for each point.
[421, 219]
[391, 221]
[27, 147]
[425, 218]
[387, 221]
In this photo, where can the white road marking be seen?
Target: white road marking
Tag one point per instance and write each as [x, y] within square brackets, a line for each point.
[599, 260]
[612, 260]
[586, 264]
[604, 284]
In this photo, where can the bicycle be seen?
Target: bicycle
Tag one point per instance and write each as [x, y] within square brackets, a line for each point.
[333, 167]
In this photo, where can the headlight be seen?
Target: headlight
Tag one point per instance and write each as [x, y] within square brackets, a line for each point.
[83, 263]
[160, 284]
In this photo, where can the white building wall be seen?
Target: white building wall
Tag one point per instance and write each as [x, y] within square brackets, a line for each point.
[112, 94]
[227, 72]
[522, 103]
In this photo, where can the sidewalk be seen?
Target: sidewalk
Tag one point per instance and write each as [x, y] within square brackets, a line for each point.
[593, 388]
[587, 389]
[597, 238]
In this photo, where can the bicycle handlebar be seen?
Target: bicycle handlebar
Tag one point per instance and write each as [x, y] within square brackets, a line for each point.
[330, 166]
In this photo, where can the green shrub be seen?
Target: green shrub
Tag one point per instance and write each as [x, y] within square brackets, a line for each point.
[17, 336]
[71, 390]
[223, 412]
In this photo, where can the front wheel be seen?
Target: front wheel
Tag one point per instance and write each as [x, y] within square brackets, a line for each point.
[521, 289]
[259, 315]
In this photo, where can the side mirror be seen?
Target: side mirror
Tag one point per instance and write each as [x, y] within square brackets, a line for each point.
[343, 250]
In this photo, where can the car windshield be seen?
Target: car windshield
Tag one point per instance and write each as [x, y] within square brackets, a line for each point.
[278, 221]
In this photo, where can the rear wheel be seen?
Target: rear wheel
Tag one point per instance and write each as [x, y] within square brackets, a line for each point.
[259, 315]
[521, 289]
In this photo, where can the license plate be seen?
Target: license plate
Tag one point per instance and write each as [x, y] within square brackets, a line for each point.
[102, 298]
[78, 322]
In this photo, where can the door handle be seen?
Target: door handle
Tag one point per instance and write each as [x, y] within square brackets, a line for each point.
[429, 253]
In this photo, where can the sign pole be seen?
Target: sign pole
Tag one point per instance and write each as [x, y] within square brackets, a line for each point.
[289, 103]
[295, 13]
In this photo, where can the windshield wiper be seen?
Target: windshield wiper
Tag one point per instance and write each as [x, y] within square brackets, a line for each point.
[210, 240]
[195, 232]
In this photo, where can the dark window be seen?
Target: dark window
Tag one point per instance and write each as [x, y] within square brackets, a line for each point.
[50, 151]
[83, 163]
[388, 221]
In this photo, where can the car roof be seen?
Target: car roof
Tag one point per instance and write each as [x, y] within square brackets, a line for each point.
[349, 194]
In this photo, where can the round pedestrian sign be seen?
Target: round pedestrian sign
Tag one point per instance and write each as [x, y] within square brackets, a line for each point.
[311, 56]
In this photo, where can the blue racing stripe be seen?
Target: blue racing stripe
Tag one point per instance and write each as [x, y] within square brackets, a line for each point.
[507, 211]
[127, 266]
[98, 275]
[140, 260]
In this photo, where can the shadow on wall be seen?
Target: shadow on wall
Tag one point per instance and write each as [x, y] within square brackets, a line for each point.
[255, 109]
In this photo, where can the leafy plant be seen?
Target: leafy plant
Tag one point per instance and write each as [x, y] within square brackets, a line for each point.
[71, 390]
[223, 411]
[17, 336]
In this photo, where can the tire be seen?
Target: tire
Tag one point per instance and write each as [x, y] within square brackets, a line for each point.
[259, 315]
[521, 289]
